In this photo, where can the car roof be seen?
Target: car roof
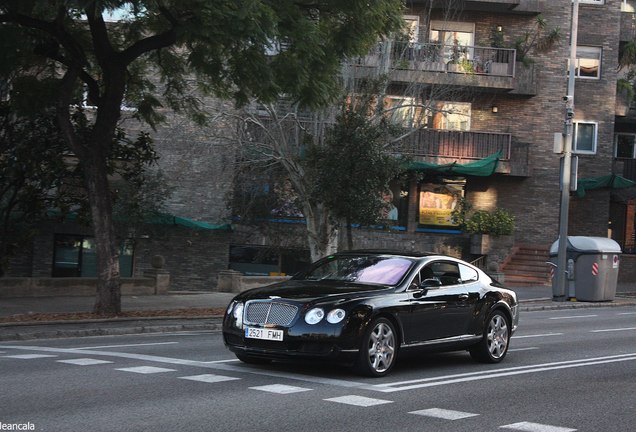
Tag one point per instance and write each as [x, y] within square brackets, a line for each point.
[414, 254]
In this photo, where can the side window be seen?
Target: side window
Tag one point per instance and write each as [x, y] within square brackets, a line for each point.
[447, 272]
[467, 274]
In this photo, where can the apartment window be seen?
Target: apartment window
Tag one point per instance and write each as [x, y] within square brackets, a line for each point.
[584, 137]
[401, 110]
[75, 256]
[455, 37]
[588, 62]
[412, 27]
[625, 146]
[450, 116]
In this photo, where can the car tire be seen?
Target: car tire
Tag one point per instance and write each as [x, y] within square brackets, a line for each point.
[248, 359]
[493, 347]
[378, 349]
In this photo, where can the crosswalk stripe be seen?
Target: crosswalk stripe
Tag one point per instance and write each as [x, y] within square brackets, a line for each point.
[84, 361]
[209, 378]
[146, 369]
[535, 427]
[358, 401]
[29, 356]
[444, 414]
[280, 389]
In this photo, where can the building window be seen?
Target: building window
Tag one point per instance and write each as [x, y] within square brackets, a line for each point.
[588, 62]
[584, 137]
[412, 27]
[625, 147]
[437, 202]
[263, 261]
[597, 2]
[401, 110]
[75, 256]
[455, 38]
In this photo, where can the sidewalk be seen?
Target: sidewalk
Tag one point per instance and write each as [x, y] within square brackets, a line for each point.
[203, 312]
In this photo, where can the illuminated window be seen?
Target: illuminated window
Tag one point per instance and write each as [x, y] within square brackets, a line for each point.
[588, 62]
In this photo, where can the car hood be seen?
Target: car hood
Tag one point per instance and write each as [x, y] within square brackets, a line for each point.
[311, 291]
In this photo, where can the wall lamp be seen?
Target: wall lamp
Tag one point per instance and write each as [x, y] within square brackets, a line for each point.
[495, 109]
[499, 28]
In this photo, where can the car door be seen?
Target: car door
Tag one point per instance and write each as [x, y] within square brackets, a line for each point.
[437, 312]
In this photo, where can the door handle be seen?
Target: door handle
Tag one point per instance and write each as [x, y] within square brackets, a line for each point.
[463, 296]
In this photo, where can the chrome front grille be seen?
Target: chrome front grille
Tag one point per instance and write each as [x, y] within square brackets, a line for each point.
[268, 312]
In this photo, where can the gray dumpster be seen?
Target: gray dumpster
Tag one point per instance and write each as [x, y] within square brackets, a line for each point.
[594, 273]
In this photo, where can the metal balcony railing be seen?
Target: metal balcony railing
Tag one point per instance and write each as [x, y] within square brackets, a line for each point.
[436, 57]
[455, 144]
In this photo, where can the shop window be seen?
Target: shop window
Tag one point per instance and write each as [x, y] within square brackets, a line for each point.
[625, 146]
[397, 202]
[584, 137]
[437, 202]
[75, 256]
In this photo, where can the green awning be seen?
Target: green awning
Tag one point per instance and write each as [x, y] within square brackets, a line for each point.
[158, 219]
[482, 168]
[168, 219]
[611, 181]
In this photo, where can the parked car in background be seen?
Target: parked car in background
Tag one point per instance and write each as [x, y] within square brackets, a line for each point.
[363, 308]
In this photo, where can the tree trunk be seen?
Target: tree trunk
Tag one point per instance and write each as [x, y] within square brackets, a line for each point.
[108, 299]
[322, 234]
[349, 234]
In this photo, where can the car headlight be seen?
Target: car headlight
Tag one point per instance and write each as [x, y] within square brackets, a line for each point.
[314, 316]
[335, 316]
[237, 313]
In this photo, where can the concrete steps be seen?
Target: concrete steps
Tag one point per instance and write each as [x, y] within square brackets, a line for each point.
[526, 266]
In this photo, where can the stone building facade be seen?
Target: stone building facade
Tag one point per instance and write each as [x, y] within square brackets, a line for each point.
[517, 109]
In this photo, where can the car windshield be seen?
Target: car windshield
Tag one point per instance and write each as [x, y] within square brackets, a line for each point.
[368, 269]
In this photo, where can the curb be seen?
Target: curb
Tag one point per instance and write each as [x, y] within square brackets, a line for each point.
[64, 329]
[21, 331]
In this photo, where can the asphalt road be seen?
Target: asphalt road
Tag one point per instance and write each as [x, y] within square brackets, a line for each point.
[567, 370]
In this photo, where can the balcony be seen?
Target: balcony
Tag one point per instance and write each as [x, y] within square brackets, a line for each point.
[497, 6]
[446, 146]
[489, 69]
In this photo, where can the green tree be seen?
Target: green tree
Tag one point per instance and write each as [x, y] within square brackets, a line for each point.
[241, 49]
[32, 170]
[352, 170]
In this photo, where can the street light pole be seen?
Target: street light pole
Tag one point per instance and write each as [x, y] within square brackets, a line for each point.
[560, 291]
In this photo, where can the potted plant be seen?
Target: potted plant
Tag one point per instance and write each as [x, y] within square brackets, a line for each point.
[483, 225]
[458, 53]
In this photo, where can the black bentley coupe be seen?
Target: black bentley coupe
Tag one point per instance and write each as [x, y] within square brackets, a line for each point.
[363, 307]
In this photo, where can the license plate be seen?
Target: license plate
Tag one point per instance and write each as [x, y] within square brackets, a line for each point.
[262, 333]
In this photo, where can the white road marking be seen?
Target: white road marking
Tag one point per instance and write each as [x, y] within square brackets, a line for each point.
[475, 376]
[84, 361]
[613, 330]
[627, 313]
[537, 335]
[234, 360]
[444, 414]
[281, 389]
[358, 401]
[146, 369]
[209, 378]
[29, 356]
[523, 349]
[536, 427]
[125, 346]
[384, 388]
[572, 317]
